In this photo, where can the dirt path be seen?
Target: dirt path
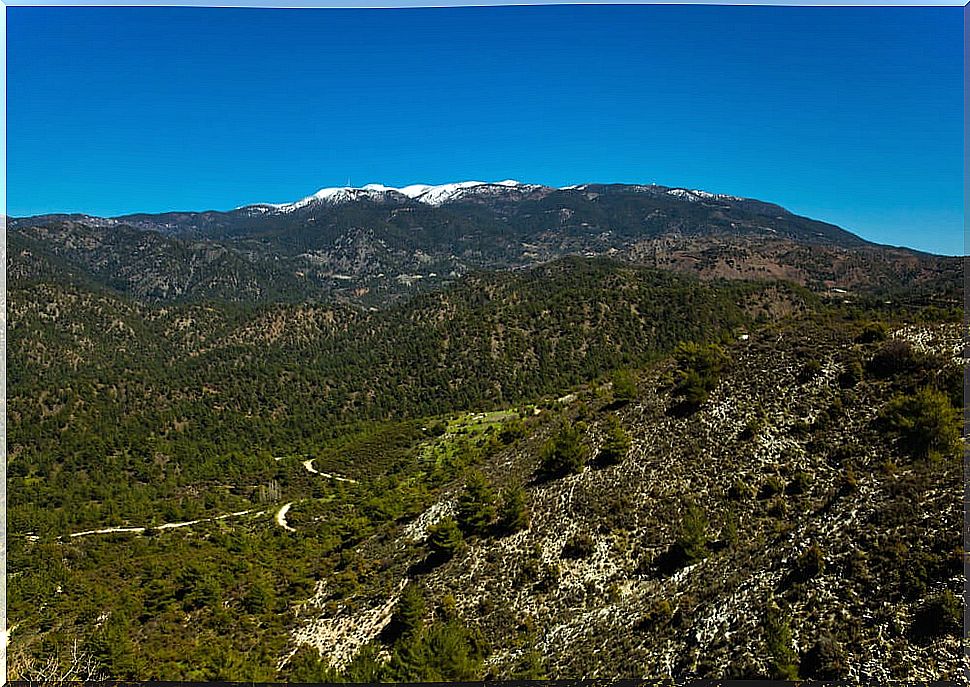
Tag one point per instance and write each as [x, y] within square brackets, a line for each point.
[308, 465]
[165, 526]
[108, 530]
[281, 517]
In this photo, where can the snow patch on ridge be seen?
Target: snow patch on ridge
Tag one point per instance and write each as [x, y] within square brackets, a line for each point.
[441, 194]
[424, 193]
[695, 195]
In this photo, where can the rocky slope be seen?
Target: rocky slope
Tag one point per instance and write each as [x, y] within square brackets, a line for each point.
[828, 543]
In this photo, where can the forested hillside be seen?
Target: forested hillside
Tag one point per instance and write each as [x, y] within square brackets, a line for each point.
[511, 432]
[104, 385]
[795, 486]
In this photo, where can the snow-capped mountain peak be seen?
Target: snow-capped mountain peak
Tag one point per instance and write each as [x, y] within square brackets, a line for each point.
[423, 193]
[695, 195]
[442, 194]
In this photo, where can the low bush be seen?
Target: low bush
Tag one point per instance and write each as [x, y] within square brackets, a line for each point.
[926, 423]
[893, 357]
[939, 615]
[579, 545]
[564, 454]
[825, 660]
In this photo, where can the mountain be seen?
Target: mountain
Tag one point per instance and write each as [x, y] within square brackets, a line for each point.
[481, 431]
[374, 244]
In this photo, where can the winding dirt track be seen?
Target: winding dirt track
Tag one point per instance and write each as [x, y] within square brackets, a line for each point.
[165, 526]
[308, 465]
[281, 517]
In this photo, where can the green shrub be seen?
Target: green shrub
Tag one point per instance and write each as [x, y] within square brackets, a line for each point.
[616, 444]
[514, 512]
[439, 653]
[699, 366]
[740, 490]
[778, 641]
[926, 423]
[800, 483]
[894, 357]
[692, 539]
[778, 507]
[809, 371]
[306, 666]
[951, 382]
[660, 613]
[850, 482]
[857, 566]
[444, 538]
[624, 386]
[753, 426]
[366, 667]
[448, 608]
[512, 431]
[825, 660]
[565, 454]
[259, 598]
[694, 388]
[874, 331]
[772, 485]
[810, 564]
[408, 614]
[476, 505]
[437, 429]
[530, 666]
[939, 615]
[851, 375]
[579, 545]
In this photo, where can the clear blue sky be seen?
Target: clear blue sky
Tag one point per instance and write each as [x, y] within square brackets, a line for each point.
[850, 115]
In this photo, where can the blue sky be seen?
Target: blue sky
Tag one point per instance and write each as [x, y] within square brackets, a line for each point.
[850, 115]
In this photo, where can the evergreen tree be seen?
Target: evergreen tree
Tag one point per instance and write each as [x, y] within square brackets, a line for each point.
[514, 514]
[617, 442]
[445, 538]
[441, 652]
[778, 641]
[926, 422]
[692, 536]
[624, 386]
[476, 505]
[565, 453]
[409, 611]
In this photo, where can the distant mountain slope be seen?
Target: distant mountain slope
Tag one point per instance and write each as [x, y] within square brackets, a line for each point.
[375, 244]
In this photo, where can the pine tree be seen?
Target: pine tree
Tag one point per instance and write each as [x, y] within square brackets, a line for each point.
[617, 442]
[476, 505]
[514, 515]
[926, 422]
[624, 386]
[409, 611]
[692, 537]
[445, 538]
[778, 639]
[564, 454]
